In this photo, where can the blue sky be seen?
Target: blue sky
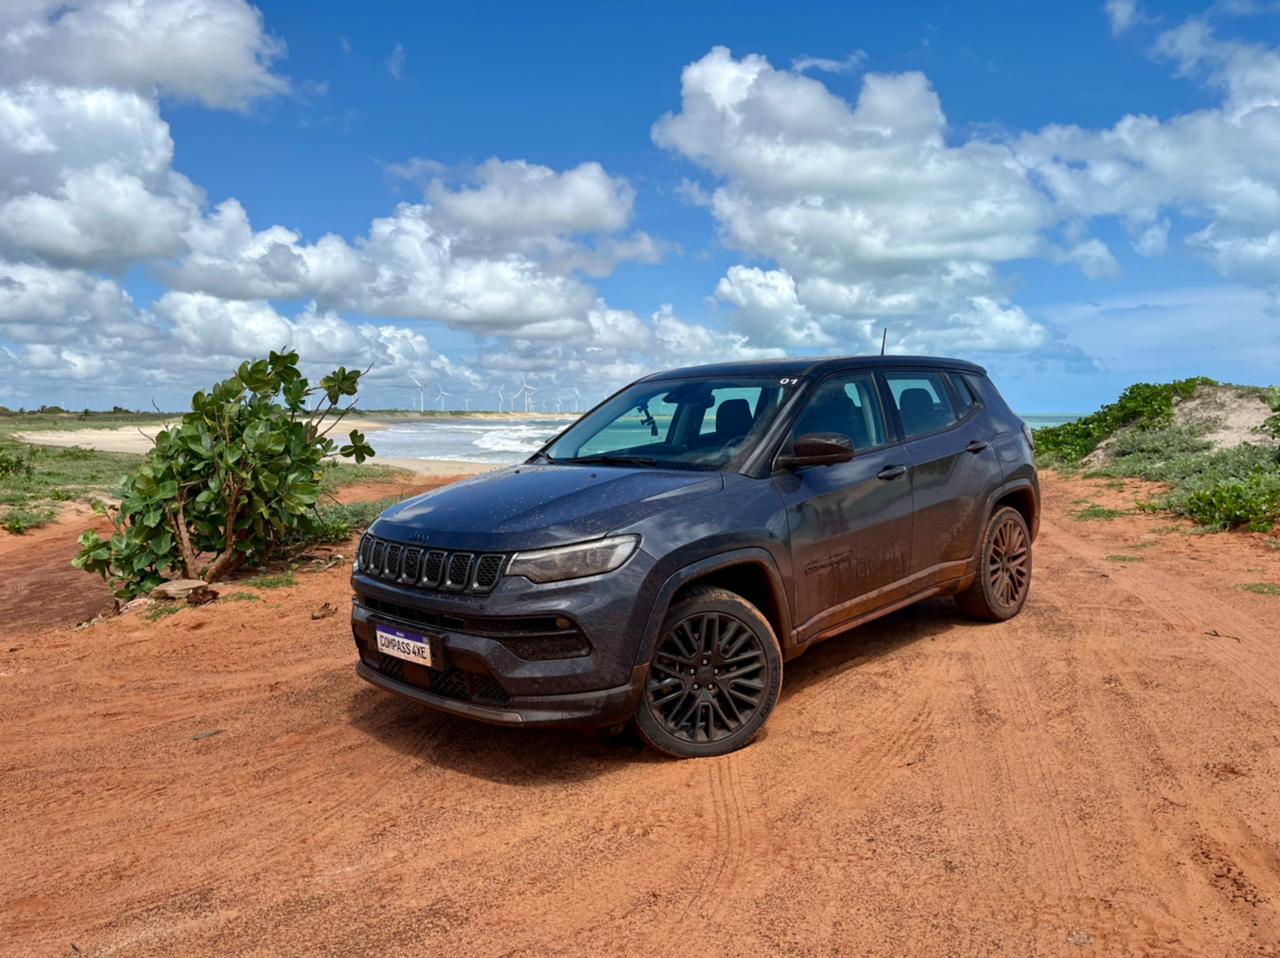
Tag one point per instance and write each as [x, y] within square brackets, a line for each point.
[1077, 195]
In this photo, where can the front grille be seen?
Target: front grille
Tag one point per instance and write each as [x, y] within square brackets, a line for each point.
[533, 638]
[430, 568]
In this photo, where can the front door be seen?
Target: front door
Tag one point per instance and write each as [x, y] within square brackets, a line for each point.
[850, 523]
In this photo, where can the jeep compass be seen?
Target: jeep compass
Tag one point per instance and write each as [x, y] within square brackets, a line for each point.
[662, 557]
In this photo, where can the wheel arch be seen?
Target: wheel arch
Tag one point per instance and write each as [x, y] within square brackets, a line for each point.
[750, 573]
[1022, 496]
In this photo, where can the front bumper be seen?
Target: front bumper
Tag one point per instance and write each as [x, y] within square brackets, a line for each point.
[480, 676]
[586, 710]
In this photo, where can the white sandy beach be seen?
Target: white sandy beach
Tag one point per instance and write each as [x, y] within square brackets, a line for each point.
[138, 439]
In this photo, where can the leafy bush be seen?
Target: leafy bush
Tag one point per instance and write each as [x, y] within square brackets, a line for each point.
[14, 463]
[235, 482]
[1145, 405]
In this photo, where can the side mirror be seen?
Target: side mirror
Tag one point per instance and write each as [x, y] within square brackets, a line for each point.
[817, 449]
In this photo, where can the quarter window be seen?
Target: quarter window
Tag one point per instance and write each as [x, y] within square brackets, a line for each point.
[924, 405]
[963, 393]
[847, 406]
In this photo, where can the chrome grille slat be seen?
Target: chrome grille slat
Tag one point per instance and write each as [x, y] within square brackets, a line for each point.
[453, 571]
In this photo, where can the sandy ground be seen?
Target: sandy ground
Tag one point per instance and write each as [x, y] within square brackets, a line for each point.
[1095, 777]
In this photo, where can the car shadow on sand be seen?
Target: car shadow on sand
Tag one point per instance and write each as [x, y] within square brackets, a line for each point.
[516, 756]
[882, 637]
[513, 756]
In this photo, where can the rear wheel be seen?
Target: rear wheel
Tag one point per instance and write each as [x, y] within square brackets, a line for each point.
[714, 677]
[1004, 569]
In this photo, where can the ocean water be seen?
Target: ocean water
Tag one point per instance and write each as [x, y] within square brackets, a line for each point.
[465, 439]
[1050, 419]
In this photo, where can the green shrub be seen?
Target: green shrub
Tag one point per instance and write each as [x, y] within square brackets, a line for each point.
[1251, 500]
[235, 482]
[14, 463]
[1145, 405]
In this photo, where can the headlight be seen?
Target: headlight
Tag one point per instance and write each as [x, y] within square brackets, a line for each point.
[574, 562]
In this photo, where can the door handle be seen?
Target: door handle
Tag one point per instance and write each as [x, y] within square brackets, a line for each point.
[891, 472]
[976, 446]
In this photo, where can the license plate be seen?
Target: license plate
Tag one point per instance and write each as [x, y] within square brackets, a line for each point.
[404, 645]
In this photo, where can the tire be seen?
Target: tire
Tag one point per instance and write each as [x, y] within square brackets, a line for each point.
[1003, 581]
[714, 677]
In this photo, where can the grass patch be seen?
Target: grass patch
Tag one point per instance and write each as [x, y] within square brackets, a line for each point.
[1262, 588]
[163, 610]
[238, 597]
[18, 519]
[1095, 513]
[341, 521]
[1121, 558]
[1166, 530]
[339, 473]
[281, 581]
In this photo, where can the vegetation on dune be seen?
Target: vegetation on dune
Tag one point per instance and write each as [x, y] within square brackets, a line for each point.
[236, 482]
[1143, 405]
[1217, 488]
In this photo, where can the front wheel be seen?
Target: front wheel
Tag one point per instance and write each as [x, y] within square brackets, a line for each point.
[714, 677]
[1000, 588]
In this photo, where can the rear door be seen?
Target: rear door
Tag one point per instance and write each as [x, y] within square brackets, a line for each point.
[850, 523]
[953, 469]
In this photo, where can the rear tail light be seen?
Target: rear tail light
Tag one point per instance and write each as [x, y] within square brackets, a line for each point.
[1031, 440]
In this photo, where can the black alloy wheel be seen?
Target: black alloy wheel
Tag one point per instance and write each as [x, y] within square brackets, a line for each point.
[714, 677]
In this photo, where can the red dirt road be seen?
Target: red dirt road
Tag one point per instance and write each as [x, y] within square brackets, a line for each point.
[1097, 777]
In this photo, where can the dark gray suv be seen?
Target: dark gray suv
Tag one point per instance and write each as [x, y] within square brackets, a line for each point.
[662, 557]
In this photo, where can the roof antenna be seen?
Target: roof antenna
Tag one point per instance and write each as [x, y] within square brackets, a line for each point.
[884, 340]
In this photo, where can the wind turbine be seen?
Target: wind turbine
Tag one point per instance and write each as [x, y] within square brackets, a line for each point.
[577, 400]
[468, 402]
[525, 390]
[502, 397]
[421, 406]
[441, 396]
[559, 403]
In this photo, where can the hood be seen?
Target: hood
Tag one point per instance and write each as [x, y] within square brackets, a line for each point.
[533, 506]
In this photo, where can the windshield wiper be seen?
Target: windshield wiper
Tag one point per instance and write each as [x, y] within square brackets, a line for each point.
[545, 458]
[606, 459]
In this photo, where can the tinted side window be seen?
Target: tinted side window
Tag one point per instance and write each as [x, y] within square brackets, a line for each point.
[924, 404]
[847, 405]
[963, 393]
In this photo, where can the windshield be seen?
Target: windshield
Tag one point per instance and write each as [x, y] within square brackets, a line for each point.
[675, 423]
